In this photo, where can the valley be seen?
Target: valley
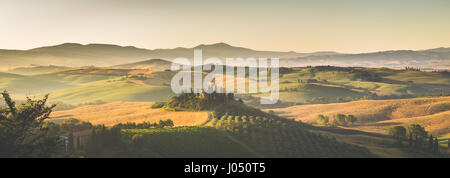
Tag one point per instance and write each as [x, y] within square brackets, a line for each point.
[134, 99]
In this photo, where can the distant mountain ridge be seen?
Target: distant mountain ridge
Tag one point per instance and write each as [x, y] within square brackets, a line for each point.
[431, 59]
[74, 54]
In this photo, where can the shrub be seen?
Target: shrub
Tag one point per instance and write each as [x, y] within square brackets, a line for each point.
[157, 105]
[322, 120]
[398, 132]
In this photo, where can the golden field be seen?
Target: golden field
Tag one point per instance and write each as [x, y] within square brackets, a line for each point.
[379, 115]
[121, 112]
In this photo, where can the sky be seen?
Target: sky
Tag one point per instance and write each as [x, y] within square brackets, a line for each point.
[350, 26]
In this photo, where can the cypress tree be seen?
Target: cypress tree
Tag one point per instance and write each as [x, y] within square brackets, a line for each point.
[430, 143]
[70, 145]
[436, 145]
[448, 146]
[410, 140]
[78, 146]
[416, 142]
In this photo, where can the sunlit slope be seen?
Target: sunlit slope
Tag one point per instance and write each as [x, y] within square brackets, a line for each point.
[438, 124]
[19, 85]
[380, 81]
[414, 76]
[122, 112]
[112, 90]
[385, 113]
[147, 64]
[36, 69]
[300, 93]
[29, 85]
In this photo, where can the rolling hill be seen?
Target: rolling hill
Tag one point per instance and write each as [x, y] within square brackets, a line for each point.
[190, 142]
[21, 86]
[147, 64]
[36, 69]
[432, 59]
[110, 91]
[379, 115]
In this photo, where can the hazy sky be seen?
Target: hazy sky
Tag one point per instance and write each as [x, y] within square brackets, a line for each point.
[289, 25]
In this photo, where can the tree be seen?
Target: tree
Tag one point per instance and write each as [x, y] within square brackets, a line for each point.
[431, 143]
[398, 132]
[169, 123]
[22, 131]
[339, 119]
[271, 112]
[138, 140]
[436, 145]
[448, 146]
[416, 142]
[416, 131]
[70, 146]
[410, 140]
[351, 118]
[322, 120]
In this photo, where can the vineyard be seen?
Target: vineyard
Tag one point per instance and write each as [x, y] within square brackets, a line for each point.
[279, 137]
[186, 142]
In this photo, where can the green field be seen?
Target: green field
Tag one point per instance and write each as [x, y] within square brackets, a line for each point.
[414, 76]
[35, 69]
[328, 84]
[112, 90]
[19, 85]
[74, 79]
[303, 85]
[443, 141]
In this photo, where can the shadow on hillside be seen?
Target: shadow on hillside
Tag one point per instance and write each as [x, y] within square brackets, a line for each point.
[62, 116]
[384, 124]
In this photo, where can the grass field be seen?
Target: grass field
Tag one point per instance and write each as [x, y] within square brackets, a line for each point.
[110, 91]
[121, 112]
[21, 86]
[328, 84]
[36, 69]
[297, 85]
[414, 76]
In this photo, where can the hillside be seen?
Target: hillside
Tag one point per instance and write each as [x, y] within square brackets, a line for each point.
[266, 134]
[36, 69]
[278, 137]
[110, 91]
[21, 86]
[438, 58]
[147, 64]
[190, 142]
[380, 115]
[121, 112]
[330, 84]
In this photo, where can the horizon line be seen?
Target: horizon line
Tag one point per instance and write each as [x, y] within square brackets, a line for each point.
[209, 44]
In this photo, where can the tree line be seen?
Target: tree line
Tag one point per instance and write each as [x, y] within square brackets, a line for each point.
[417, 137]
[338, 120]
